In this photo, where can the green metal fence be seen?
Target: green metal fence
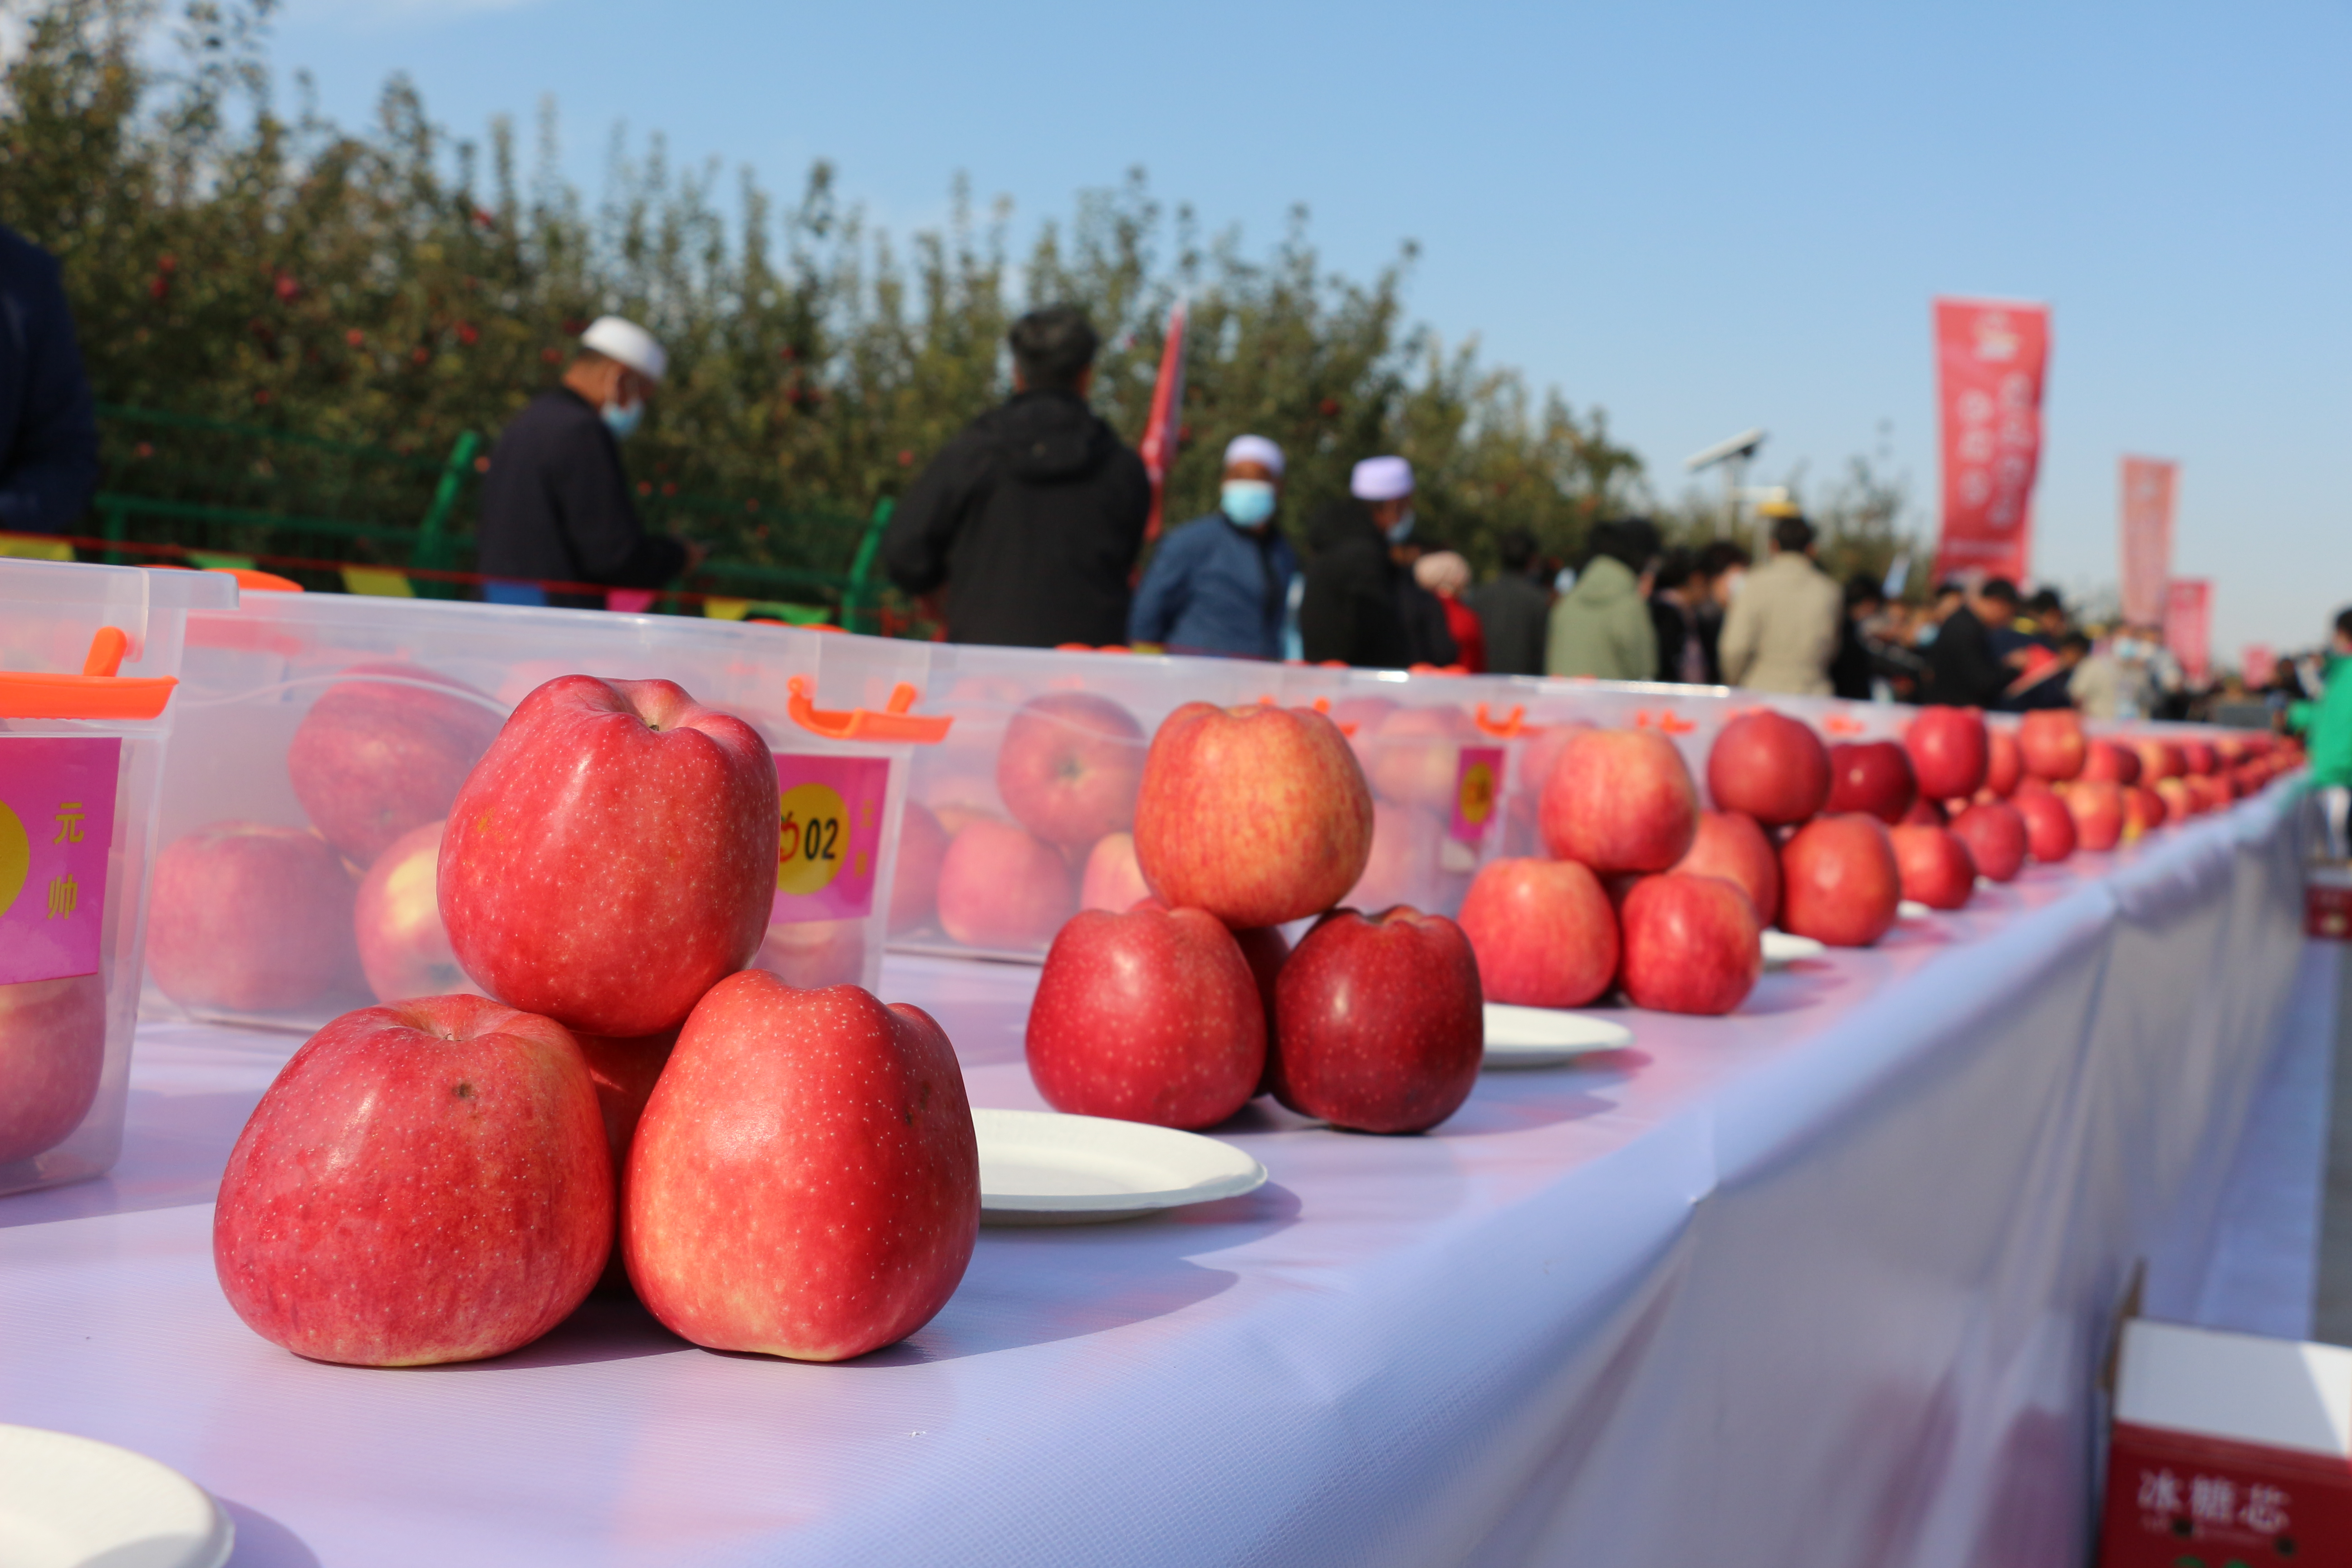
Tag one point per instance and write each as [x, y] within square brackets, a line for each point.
[328, 513]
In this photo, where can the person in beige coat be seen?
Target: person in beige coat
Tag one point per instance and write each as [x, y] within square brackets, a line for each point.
[1782, 633]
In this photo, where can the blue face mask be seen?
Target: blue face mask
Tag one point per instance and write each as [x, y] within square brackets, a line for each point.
[1402, 529]
[623, 418]
[1247, 503]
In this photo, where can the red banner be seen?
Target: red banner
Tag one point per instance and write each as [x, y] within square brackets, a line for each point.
[2149, 487]
[2257, 664]
[1989, 364]
[1158, 448]
[2189, 626]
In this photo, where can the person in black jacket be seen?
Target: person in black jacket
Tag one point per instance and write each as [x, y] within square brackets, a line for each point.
[49, 430]
[1514, 609]
[1349, 612]
[555, 502]
[1031, 517]
[1963, 670]
[1856, 665]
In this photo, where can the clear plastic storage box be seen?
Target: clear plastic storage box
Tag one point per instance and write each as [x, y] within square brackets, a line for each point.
[324, 736]
[89, 658]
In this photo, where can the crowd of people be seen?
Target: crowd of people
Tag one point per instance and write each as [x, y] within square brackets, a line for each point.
[1029, 528]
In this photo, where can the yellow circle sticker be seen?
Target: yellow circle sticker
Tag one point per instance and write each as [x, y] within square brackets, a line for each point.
[15, 856]
[816, 839]
[1476, 803]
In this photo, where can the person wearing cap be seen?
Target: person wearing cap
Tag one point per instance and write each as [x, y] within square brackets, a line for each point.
[1353, 611]
[1219, 584]
[555, 502]
[49, 428]
[1030, 519]
[1782, 631]
[1447, 576]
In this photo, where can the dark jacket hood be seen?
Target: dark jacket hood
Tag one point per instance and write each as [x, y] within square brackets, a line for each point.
[1342, 523]
[1045, 437]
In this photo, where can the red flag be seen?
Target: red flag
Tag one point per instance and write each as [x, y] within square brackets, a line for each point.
[2189, 624]
[2257, 664]
[2149, 486]
[1989, 364]
[1158, 448]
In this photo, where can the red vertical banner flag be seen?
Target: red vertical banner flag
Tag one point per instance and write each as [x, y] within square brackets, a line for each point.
[1990, 358]
[2189, 624]
[2257, 664]
[2149, 488]
[1158, 448]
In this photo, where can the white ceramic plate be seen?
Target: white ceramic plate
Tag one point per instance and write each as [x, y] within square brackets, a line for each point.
[1912, 909]
[72, 1503]
[1781, 949]
[1039, 1167]
[1546, 1036]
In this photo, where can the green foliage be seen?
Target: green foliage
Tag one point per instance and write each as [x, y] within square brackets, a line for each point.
[395, 286]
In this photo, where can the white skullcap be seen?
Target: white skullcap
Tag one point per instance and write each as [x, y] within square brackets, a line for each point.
[628, 344]
[1253, 449]
[1382, 479]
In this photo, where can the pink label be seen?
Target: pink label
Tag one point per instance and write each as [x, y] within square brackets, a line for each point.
[1478, 791]
[832, 836]
[57, 824]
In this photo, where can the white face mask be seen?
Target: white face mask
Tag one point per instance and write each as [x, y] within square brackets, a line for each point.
[1733, 581]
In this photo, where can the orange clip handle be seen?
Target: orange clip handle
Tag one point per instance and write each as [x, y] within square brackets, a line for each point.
[1665, 719]
[96, 693]
[893, 723]
[1509, 727]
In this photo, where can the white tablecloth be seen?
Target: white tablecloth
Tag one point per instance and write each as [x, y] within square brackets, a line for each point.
[1821, 1283]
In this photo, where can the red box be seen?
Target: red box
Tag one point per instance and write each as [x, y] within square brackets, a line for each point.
[2327, 903]
[2228, 1451]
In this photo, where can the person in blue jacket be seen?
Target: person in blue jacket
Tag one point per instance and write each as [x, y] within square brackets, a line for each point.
[1221, 583]
[49, 430]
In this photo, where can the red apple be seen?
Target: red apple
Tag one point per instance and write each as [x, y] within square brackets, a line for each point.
[1620, 800]
[403, 947]
[1380, 1024]
[1114, 878]
[614, 857]
[812, 954]
[52, 1053]
[2197, 757]
[2211, 794]
[1766, 765]
[1541, 753]
[1936, 867]
[2004, 762]
[1069, 767]
[915, 880]
[1873, 776]
[1414, 756]
[2098, 808]
[1949, 752]
[1265, 950]
[2110, 760]
[2143, 811]
[2049, 826]
[250, 918]
[1733, 847]
[1001, 887]
[1839, 881]
[2159, 759]
[2051, 741]
[1995, 835]
[805, 1180]
[383, 750]
[424, 1182]
[1542, 930]
[2181, 802]
[1693, 945]
[623, 1073]
[1257, 814]
[1151, 1016]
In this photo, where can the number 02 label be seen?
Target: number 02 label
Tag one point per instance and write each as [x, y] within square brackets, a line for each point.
[829, 841]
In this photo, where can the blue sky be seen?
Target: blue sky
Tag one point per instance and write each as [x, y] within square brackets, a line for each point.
[1701, 217]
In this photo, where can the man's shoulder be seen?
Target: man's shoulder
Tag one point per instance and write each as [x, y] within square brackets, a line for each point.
[26, 267]
[554, 417]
